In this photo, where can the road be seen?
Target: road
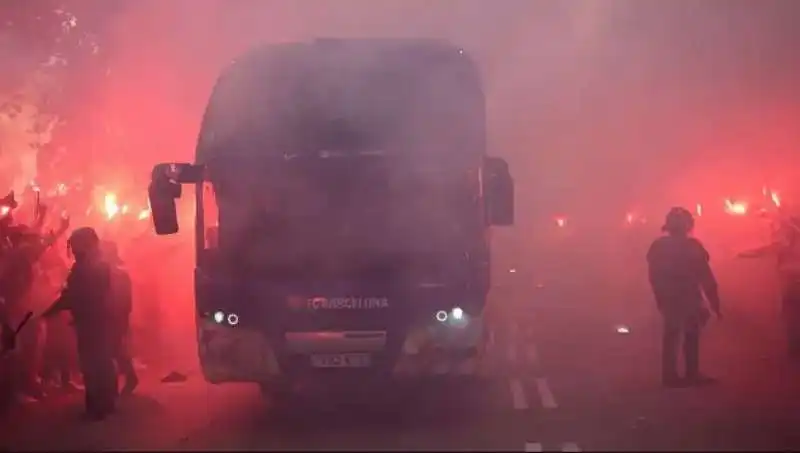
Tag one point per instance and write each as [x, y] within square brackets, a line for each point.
[560, 377]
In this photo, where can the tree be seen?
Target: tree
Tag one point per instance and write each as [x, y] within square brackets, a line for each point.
[48, 52]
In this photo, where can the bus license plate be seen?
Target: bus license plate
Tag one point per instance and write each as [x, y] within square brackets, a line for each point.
[341, 360]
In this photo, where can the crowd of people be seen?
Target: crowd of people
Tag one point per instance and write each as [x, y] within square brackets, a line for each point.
[45, 349]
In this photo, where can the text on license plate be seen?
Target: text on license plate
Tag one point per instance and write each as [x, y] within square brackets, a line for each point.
[351, 360]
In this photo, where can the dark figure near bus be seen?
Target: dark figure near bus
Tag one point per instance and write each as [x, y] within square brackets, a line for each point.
[680, 275]
[87, 295]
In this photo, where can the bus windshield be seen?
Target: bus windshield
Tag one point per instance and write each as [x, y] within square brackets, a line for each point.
[307, 211]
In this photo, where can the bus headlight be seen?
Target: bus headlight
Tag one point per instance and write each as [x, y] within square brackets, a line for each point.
[455, 315]
[219, 317]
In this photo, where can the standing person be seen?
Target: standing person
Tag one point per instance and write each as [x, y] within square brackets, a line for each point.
[680, 275]
[122, 305]
[785, 247]
[86, 295]
[20, 248]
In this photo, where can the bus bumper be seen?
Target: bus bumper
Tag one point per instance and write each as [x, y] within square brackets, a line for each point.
[234, 354]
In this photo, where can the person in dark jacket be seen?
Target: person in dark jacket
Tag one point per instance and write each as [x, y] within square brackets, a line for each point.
[86, 295]
[122, 305]
[680, 275]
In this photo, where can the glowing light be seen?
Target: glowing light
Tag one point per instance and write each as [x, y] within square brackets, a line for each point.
[110, 205]
[4, 210]
[219, 317]
[233, 319]
[623, 330]
[58, 190]
[632, 218]
[735, 207]
[698, 209]
[441, 316]
[776, 199]
[561, 222]
[125, 209]
[144, 214]
[458, 313]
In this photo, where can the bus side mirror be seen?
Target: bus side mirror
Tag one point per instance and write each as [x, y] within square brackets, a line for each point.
[165, 188]
[498, 189]
[161, 194]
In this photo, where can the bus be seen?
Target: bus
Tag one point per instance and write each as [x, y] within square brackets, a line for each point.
[344, 201]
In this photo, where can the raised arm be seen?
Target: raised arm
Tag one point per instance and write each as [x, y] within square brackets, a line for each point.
[760, 252]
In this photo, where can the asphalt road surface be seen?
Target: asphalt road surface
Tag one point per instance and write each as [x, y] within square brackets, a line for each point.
[562, 376]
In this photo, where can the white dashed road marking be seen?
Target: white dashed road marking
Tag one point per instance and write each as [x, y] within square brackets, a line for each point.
[531, 355]
[545, 394]
[518, 398]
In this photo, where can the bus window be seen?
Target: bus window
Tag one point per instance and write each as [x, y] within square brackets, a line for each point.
[210, 217]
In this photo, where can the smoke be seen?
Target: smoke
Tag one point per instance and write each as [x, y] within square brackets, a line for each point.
[22, 132]
[38, 48]
[582, 95]
[599, 106]
[24, 126]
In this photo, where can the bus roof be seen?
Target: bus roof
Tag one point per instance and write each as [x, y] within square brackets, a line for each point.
[347, 95]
